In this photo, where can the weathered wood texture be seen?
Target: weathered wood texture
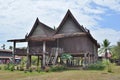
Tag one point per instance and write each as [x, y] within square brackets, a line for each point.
[69, 27]
[81, 44]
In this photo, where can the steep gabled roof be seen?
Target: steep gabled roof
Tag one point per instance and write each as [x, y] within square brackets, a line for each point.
[69, 14]
[84, 30]
[46, 29]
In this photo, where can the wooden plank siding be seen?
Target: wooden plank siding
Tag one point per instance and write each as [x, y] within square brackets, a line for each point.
[36, 48]
[77, 45]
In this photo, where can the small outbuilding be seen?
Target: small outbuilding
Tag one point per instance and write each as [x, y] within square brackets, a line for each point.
[5, 56]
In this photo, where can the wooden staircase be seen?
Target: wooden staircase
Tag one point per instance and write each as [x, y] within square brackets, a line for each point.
[51, 59]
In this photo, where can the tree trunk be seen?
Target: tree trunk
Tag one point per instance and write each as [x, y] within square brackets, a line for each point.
[106, 54]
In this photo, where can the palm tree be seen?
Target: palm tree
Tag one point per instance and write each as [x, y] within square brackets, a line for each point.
[105, 47]
[65, 57]
[3, 46]
[10, 47]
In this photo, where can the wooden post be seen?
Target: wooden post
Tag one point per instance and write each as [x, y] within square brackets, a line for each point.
[28, 61]
[38, 61]
[28, 58]
[92, 58]
[88, 58]
[85, 60]
[44, 50]
[14, 46]
[41, 59]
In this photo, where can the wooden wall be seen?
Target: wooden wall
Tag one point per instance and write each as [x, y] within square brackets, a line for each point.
[37, 47]
[77, 45]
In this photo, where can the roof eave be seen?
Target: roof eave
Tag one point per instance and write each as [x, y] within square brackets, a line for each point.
[17, 40]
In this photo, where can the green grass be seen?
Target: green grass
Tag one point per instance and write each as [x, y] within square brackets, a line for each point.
[64, 75]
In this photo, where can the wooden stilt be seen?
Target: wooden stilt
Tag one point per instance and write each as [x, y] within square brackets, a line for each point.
[85, 60]
[41, 61]
[38, 60]
[28, 58]
[14, 46]
[44, 51]
[28, 62]
[88, 58]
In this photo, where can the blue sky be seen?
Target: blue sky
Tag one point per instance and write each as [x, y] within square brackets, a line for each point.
[101, 17]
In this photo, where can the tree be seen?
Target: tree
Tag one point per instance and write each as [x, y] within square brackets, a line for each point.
[65, 57]
[105, 47]
[3, 46]
[10, 47]
[116, 51]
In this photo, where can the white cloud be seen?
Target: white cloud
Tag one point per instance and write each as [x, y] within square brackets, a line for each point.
[111, 4]
[18, 16]
[106, 33]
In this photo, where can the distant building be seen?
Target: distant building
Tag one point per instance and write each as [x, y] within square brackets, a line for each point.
[5, 56]
[102, 55]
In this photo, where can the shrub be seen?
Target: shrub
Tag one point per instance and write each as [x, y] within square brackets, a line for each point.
[6, 67]
[17, 67]
[30, 69]
[57, 68]
[96, 66]
[11, 68]
[47, 69]
[38, 69]
[21, 68]
[0, 67]
[108, 65]
[25, 70]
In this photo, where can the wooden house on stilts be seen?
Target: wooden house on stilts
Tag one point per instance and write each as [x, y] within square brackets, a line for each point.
[48, 44]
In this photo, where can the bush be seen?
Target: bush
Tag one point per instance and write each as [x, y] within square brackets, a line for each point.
[47, 69]
[57, 68]
[0, 67]
[17, 67]
[96, 66]
[38, 69]
[6, 67]
[25, 70]
[9, 67]
[108, 65]
[30, 69]
[21, 68]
